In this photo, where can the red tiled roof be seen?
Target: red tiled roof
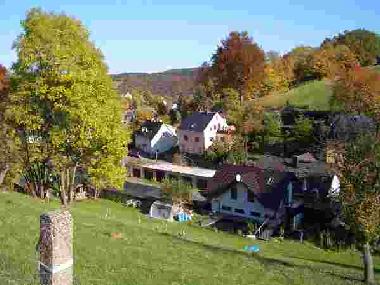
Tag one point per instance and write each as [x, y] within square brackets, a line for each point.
[256, 180]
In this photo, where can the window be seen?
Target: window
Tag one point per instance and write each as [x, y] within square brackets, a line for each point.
[202, 184]
[226, 208]
[270, 180]
[214, 127]
[222, 139]
[239, 211]
[185, 138]
[196, 139]
[233, 193]
[251, 196]
[255, 214]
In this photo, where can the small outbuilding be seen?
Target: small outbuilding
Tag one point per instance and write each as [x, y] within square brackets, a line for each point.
[161, 210]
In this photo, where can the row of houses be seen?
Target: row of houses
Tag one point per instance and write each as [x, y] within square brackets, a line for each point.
[195, 134]
[273, 192]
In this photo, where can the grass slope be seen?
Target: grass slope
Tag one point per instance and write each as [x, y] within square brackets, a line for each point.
[151, 252]
[315, 94]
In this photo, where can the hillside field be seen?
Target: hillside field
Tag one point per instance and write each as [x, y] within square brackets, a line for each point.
[315, 95]
[150, 251]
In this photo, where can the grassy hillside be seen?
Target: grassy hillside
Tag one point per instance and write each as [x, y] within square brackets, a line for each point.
[149, 251]
[315, 94]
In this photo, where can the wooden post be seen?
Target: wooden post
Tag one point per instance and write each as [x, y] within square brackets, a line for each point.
[56, 248]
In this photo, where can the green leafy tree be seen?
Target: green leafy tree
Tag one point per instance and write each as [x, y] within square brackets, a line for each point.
[359, 172]
[303, 130]
[299, 61]
[272, 125]
[363, 43]
[69, 104]
[9, 151]
[177, 191]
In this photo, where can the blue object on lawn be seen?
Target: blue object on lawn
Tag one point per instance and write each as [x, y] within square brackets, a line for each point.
[252, 248]
[183, 217]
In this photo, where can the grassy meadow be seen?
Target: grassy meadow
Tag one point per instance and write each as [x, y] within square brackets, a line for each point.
[315, 95]
[118, 245]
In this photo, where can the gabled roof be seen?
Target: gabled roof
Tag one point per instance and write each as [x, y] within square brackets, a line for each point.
[197, 121]
[267, 185]
[149, 129]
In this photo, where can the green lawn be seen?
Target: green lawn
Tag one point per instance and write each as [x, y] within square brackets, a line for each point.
[377, 68]
[151, 252]
[315, 94]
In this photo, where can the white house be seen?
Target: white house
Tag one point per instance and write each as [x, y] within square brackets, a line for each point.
[253, 193]
[198, 131]
[155, 137]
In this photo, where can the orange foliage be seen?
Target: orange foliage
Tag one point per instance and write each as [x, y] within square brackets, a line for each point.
[359, 91]
[239, 64]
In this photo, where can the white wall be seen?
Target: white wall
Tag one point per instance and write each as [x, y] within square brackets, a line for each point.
[161, 142]
[240, 203]
[335, 186]
[209, 133]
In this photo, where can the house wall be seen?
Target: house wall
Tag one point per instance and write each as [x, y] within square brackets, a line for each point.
[240, 203]
[159, 142]
[209, 133]
[165, 139]
[205, 138]
[143, 143]
[191, 146]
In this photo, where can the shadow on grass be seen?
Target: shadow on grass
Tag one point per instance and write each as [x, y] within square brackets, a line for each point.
[377, 270]
[266, 261]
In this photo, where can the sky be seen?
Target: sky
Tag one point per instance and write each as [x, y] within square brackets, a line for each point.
[156, 35]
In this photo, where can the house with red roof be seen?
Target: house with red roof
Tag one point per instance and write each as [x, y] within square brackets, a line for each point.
[254, 193]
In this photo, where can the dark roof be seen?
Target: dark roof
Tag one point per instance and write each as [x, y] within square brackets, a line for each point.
[315, 168]
[347, 126]
[197, 121]
[149, 129]
[267, 185]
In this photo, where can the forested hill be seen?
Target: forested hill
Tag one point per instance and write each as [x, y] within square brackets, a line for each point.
[170, 83]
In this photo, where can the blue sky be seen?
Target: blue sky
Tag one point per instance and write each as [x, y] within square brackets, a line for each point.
[151, 36]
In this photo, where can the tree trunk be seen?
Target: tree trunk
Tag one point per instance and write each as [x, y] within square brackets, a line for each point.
[62, 188]
[3, 173]
[72, 183]
[369, 277]
[41, 191]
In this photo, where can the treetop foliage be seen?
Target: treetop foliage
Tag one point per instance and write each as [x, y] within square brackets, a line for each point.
[62, 81]
[363, 43]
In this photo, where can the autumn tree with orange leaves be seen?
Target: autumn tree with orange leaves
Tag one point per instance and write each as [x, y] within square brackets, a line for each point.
[238, 63]
[358, 164]
[358, 167]
[358, 91]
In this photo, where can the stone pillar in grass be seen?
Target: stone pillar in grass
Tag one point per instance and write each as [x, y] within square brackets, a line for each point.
[56, 248]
